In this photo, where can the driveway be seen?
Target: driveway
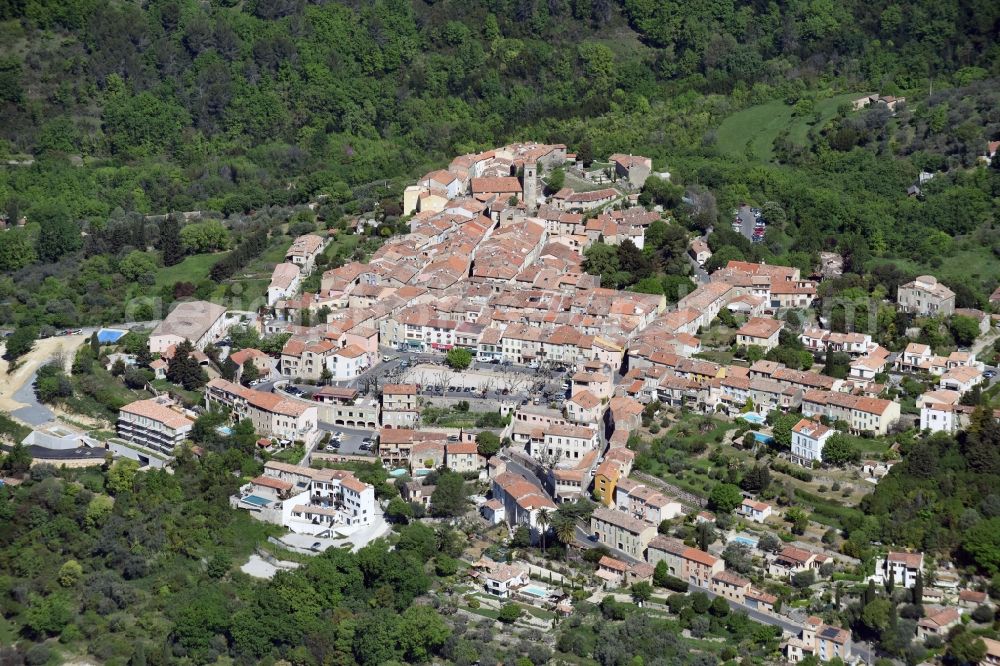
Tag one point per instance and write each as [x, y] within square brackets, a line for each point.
[34, 413]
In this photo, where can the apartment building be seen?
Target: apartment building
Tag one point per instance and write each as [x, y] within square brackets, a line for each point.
[644, 502]
[863, 414]
[926, 296]
[730, 586]
[817, 639]
[198, 322]
[463, 457]
[759, 332]
[617, 529]
[271, 414]
[399, 405]
[156, 423]
[565, 442]
[694, 566]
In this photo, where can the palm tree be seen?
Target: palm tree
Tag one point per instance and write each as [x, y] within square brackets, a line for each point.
[544, 519]
[566, 531]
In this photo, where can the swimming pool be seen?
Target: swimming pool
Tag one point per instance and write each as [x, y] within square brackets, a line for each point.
[535, 591]
[256, 500]
[762, 438]
[398, 472]
[753, 417]
[108, 336]
[745, 540]
[224, 430]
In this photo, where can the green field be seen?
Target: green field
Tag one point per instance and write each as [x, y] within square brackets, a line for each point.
[762, 123]
[968, 263]
[193, 269]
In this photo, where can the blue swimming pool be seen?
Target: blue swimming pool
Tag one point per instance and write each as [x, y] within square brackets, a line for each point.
[753, 417]
[535, 591]
[745, 540]
[109, 336]
[224, 430]
[398, 472]
[762, 438]
[256, 500]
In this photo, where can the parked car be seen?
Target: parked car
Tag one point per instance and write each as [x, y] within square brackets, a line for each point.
[990, 374]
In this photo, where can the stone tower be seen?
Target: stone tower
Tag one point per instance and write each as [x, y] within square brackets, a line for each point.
[530, 185]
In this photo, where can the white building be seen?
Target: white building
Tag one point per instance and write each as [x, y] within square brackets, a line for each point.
[199, 322]
[902, 568]
[285, 281]
[808, 439]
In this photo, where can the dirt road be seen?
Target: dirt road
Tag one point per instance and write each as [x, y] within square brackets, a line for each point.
[43, 352]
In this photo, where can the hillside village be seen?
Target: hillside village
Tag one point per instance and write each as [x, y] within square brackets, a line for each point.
[476, 346]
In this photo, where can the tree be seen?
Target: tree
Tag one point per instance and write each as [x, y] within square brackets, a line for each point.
[184, 369]
[228, 369]
[171, 246]
[964, 329]
[398, 511]
[58, 234]
[757, 479]
[556, 180]
[769, 543]
[249, 373]
[719, 607]
[737, 557]
[70, 573]
[422, 632]
[138, 267]
[20, 342]
[967, 648]
[804, 579]
[641, 592]
[16, 250]
[121, 476]
[47, 616]
[208, 236]
[458, 358]
[982, 544]
[521, 537]
[781, 430]
[449, 498]
[488, 444]
[18, 460]
[840, 450]
[544, 519]
[725, 497]
[509, 613]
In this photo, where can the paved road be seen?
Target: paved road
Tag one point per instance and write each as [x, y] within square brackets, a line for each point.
[35, 413]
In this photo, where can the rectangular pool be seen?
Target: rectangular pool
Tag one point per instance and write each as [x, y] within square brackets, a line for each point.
[110, 335]
[753, 417]
[256, 500]
[745, 540]
[535, 591]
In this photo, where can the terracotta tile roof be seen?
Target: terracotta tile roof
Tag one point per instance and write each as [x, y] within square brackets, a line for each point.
[161, 413]
[498, 185]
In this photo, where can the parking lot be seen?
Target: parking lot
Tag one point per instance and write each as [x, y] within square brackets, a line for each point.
[351, 442]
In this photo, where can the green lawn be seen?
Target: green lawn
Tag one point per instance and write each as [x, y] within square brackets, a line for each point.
[190, 397]
[762, 123]
[194, 269]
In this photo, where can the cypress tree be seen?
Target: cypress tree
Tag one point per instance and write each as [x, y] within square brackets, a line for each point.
[170, 242]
